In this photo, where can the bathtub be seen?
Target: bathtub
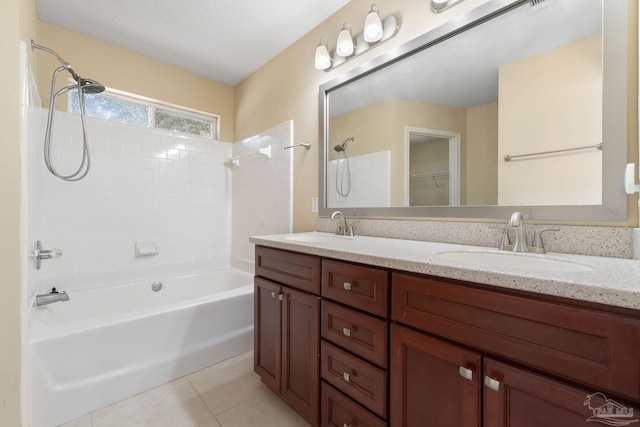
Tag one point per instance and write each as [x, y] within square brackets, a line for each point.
[109, 343]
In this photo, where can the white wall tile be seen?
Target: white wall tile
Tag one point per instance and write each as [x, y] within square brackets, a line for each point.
[142, 186]
[262, 189]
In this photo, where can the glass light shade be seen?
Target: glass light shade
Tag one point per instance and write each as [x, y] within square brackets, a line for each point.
[344, 47]
[438, 5]
[323, 59]
[373, 26]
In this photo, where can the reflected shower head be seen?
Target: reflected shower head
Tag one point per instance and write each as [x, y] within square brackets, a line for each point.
[342, 147]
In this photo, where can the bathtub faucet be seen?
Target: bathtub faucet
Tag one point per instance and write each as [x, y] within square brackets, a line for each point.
[53, 296]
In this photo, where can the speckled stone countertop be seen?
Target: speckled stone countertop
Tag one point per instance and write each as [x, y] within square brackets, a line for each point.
[611, 281]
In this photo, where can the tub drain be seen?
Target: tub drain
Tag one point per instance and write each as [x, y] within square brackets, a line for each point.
[156, 286]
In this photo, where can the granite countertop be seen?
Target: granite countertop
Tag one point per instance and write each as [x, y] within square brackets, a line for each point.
[611, 281]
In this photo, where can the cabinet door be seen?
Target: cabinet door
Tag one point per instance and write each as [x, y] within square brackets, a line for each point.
[301, 353]
[514, 397]
[266, 336]
[433, 382]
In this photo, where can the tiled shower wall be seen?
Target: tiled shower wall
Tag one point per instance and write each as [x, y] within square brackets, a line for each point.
[144, 185]
[262, 190]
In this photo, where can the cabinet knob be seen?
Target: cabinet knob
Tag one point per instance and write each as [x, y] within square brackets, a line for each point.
[346, 332]
[273, 294]
[347, 286]
[281, 297]
[346, 376]
[466, 373]
[492, 383]
[346, 425]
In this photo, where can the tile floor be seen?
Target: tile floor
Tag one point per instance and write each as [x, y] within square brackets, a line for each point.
[228, 394]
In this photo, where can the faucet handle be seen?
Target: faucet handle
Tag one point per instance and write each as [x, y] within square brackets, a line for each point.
[505, 240]
[537, 239]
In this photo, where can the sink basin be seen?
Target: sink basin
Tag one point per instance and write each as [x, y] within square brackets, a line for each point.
[513, 260]
[317, 237]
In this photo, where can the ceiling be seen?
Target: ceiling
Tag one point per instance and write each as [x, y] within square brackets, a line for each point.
[224, 40]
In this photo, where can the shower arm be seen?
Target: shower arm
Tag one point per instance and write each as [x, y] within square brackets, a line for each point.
[64, 63]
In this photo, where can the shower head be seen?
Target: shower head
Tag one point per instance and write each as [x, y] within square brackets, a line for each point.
[91, 86]
[88, 85]
[339, 147]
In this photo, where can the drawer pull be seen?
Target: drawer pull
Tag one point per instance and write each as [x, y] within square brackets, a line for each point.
[493, 384]
[346, 376]
[466, 373]
[346, 332]
[347, 286]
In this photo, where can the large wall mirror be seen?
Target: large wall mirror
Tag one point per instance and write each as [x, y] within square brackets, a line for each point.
[516, 105]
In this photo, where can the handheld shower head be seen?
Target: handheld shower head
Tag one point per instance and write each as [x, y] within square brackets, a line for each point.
[91, 86]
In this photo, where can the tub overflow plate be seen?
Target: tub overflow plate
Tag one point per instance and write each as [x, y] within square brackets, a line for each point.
[156, 286]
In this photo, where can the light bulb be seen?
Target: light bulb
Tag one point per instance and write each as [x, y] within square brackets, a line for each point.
[344, 47]
[323, 59]
[373, 26]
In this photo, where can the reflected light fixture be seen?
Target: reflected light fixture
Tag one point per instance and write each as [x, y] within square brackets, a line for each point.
[440, 5]
[373, 25]
[345, 46]
[323, 59]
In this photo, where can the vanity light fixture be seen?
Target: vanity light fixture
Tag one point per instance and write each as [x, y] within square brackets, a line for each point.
[345, 46]
[375, 32]
[440, 5]
[323, 59]
[373, 25]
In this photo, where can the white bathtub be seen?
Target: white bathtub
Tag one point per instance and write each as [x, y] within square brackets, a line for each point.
[109, 343]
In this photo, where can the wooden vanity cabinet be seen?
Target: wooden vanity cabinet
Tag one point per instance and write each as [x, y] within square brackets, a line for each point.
[287, 325]
[352, 345]
[355, 344]
[540, 359]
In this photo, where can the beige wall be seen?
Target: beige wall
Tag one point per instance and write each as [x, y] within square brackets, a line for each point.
[17, 22]
[537, 114]
[123, 70]
[482, 155]
[286, 88]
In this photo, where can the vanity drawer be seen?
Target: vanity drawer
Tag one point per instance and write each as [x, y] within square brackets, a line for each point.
[340, 411]
[289, 268]
[357, 332]
[356, 378]
[366, 288]
[595, 348]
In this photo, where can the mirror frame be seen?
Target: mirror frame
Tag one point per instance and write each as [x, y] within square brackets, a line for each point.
[615, 118]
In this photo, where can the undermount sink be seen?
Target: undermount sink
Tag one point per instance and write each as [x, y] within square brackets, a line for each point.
[520, 261]
[317, 237]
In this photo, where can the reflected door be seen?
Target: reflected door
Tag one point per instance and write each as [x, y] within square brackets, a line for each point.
[432, 168]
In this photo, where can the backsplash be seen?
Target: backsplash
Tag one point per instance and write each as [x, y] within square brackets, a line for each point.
[616, 242]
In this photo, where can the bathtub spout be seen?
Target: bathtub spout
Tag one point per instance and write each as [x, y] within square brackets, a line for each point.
[53, 296]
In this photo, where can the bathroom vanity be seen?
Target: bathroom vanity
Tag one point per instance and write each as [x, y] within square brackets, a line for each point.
[374, 332]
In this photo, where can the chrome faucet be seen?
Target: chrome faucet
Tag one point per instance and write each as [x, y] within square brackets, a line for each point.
[343, 227]
[517, 221]
[51, 297]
